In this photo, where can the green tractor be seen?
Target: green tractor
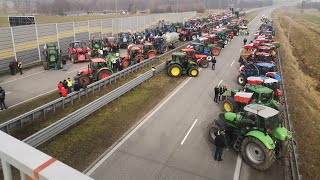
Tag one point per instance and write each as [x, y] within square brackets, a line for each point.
[52, 56]
[257, 134]
[181, 65]
[251, 94]
[95, 46]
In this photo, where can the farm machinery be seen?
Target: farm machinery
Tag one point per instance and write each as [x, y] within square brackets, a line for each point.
[201, 60]
[148, 50]
[52, 56]
[95, 46]
[78, 52]
[97, 69]
[134, 56]
[212, 44]
[181, 65]
[257, 133]
[200, 48]
[189, 34]
[125, 38]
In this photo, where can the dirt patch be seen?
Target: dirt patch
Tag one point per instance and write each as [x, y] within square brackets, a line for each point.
[301, 77]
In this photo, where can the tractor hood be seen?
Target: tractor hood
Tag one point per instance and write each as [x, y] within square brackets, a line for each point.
[52, 58]
[282, 133]
[232, 116]
[79, 50]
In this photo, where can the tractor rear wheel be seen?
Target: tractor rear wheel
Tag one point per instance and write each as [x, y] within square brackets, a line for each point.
[256, 155]
[216, 51]
[175, 70]
[138, 59]
[151, 54]
[104, 74]
[212, 131]
[45, 65]
[229, 105]
[125, 63]
[242, 80]
[183, 38]
[84, 81]
[193, 72]
[204, 64]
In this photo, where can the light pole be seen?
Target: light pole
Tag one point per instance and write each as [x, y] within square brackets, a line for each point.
[177, 6]
[116, 1]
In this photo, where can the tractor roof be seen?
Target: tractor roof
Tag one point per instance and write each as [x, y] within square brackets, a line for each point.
[187, 50]
[179, 54]
[262, 54]
[264, 47]
[260, 89]
[148, 44]
[261, 110]
[197, 44]
[97, 60]
[265, 64]
[135, 48]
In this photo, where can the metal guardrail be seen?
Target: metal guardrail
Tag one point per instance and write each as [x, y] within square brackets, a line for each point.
[294, 166]
[51, 106]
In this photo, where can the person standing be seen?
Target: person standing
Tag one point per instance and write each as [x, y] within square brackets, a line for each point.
[220, 143]
[76, 86]
[12, 70]
[214, 61]
[216, 94]
[20, 67]
[2, 99]
[220, 91]
[59, 88]
[70, 84]
[65, 84]
[225, 93]
[245, 41]
[101, 52]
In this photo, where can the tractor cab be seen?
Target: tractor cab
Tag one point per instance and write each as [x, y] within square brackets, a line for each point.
[52, 56]
[180, 65]
[95, 46]
[133, 52]
[148, 50]
[125, 39]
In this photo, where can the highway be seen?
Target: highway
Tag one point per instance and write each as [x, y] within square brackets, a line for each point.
[171, 142]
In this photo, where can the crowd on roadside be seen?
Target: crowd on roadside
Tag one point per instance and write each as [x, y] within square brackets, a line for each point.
[220, 93]
[66, 87]
[15, 67]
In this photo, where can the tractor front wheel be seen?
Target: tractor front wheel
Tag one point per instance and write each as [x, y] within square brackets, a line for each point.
[104, 74]
[125, 63]
[193, 72]
[216, 51]
[242, 80]
[229, 105]
[212, 131]
[256, 155]
[175, 70]
[204, 64]
[138, 59]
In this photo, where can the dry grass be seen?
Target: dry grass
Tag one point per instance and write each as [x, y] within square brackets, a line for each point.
[302, 77]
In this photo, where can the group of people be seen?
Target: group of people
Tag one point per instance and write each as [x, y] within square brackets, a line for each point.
[220, 93]
[105, 50]
[66, 87]
[244, 32]
[15, 66]
[2, 99]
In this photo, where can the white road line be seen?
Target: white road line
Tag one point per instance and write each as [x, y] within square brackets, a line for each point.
[232, 62]
[22, 77]
[8, 92]
[220, 82]
[185, 137]
[136, 128]
[236, 174]
[32, 98]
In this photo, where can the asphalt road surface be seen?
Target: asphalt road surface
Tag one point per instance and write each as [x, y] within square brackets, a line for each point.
[171, 142]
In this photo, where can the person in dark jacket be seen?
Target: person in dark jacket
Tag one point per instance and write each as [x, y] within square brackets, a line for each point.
[216, 94]
[245, 41]
[221, 143]
[19, 67]
[214, 61]
[220, 92]
[76, 86]
[65, 84]
[2, 99]
[12, 70]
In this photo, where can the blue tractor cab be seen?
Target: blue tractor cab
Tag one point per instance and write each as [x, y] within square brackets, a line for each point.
[200, 48]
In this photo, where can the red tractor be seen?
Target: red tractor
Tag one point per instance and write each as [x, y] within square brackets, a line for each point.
[97, 69]
[189, 34]
[148, 50]
[201, 60]
[134, 56]
[79, 52]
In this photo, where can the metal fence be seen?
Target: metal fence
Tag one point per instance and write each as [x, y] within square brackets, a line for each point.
[43, 110]
[25, 43]
[54, 129]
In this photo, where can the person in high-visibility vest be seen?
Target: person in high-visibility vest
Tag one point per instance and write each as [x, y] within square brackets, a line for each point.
[70, 84]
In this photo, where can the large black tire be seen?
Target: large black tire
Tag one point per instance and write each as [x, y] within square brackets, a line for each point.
[242, 79]
[193, 72]
[183, 38]
[256, 155]
[204, 63]
[104, 74]
[46, 65]
[212, 130]
[229, 105]
[172, 67]
[84, 81]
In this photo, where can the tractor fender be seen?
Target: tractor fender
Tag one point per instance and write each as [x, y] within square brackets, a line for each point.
[263, 137]
[105, 68]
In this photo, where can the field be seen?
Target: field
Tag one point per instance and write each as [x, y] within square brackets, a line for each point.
[301, 63]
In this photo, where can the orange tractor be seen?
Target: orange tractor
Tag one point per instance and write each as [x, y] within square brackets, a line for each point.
[78, 52]
[200, 59]
[97, 69]
[134, 56]
[148, 50]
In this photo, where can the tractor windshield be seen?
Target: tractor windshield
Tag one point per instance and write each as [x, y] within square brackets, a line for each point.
[265, 98]
[272, 122]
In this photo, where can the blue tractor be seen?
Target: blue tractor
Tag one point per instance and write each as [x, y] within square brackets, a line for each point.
[200, 48]
[258, 70]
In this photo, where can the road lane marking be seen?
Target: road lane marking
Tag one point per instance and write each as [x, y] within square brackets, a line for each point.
[108, 154]
[185, 137]
[22, 77]
[236, 174]
[220, 82]
[32, 98]
[232, 62]
[8, 92]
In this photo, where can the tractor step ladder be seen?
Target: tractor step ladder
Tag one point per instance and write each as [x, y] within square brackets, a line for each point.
[237, 144]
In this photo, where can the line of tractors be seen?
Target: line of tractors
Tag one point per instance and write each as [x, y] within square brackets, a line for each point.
[251, 120]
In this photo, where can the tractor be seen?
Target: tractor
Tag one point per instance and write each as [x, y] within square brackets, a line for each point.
[78, 52]
[138, 37]
[181, 65]
[159, 44]
[200, 48]
[95, 46]
[148, 50]
[52, 56]
[257, 94]
[257, 69]
[266, 82]
[208, 40]
[189, 34]
[125, 38]
[257, 133]
[97, 69]
[134, 56]
[201, 60]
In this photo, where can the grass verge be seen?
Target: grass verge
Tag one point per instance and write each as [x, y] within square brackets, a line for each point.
[302, 78]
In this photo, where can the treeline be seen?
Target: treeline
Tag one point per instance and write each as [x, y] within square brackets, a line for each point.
[309, 5]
